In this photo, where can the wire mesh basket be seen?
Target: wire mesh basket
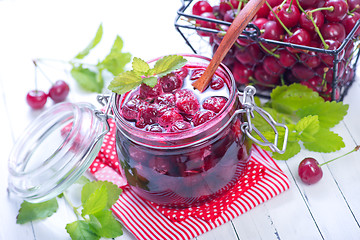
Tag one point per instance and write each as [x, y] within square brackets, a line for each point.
[330, 71]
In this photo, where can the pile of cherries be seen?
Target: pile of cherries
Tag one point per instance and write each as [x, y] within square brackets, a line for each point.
[315, 24]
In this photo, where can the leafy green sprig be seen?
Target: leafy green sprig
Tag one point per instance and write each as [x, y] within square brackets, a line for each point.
[95, 220]
[143, 73]
[308, 117]
[90, 77]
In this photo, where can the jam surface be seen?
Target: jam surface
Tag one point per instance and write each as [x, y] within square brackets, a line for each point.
[172, 105]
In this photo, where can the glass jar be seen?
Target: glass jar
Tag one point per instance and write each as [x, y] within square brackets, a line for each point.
[55, 150]
[187, 168]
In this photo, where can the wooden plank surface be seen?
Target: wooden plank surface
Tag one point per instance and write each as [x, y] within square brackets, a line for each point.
[30, 29]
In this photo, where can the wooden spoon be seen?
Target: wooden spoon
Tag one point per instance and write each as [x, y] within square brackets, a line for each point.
[235, 29]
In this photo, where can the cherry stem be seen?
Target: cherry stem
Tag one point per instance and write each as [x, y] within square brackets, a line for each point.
[354, 150]
[43, 73]
[289, 8]
[75, 209]
[317, 30]
[269, 51]
[323, 8]
[35, 75]
[281, 23]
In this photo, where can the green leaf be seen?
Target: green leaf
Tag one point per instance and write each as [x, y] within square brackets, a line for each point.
[140, 66]
[125, 82]
[330, 113]
[87, 79]
[92, 44]
[34, 211]
[116, 60]
[150, 81]
[81, 230]
[96, 202]
[325, 141]
[307, 127]
[287, 99]
[113, 191]
[168, 64]
[292, 148]
[110, 227]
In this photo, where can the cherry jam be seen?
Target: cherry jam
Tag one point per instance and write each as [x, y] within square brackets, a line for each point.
[179, 147]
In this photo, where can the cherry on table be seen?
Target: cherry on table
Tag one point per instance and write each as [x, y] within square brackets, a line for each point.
[309, 171]
[36, 99]
[59, 91]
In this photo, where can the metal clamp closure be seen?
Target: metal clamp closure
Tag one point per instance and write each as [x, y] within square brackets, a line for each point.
[248, 103]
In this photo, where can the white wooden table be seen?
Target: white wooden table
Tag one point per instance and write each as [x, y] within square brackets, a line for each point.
[329, 209]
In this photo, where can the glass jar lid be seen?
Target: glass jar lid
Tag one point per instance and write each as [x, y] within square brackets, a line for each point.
[55, 150]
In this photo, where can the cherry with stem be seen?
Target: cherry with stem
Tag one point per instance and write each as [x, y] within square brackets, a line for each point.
[310, 171]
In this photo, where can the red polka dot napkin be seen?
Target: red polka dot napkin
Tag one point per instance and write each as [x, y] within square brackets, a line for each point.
[261, 180]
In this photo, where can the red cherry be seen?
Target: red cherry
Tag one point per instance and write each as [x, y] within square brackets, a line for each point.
[288, 14]
[349, 22]
[263, 11]
[333, 45]
[200, 7]
[272, 66]
[202, 117]
[286, 58]
[340, 9]
[36, 99]
[241, 73]
[306, 23]
[300, 37]
[335, 31]
[354, 5]
[309, 171]
[59, 91]
[206, 23]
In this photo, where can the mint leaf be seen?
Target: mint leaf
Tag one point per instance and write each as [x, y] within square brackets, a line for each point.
[81, 230]
[96, 202]
[142, 73]
[307, 127]
[113, 191]
[87, 79]
[325, 141]
[34, 211]
[92, 44]
[125, 82]
[116, 60]
[140, 66]
[292, 148]
[110, 227]
[330, 113]
[168, 64]
[287, 99]
[150, 81]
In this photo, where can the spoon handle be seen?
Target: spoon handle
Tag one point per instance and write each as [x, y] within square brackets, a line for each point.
[235, 29]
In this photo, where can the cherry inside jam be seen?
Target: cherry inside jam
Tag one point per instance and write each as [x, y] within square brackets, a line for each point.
[166, 172]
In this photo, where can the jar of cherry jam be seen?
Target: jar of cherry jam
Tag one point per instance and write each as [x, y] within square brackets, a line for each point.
[176, 146]
[180, 148]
